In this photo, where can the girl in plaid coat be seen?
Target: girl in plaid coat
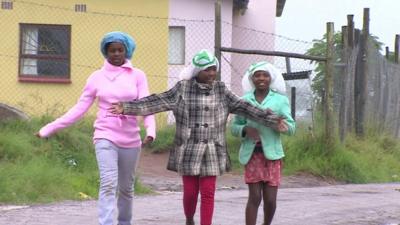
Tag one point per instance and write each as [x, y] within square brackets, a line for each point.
[201, 106]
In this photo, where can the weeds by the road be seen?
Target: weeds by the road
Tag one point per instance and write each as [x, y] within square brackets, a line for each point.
[64, 166]
[44, 170]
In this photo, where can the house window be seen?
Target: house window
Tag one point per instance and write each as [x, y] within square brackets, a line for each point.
[6, 4]
[44, 53]
[176, 48]
[80, 7]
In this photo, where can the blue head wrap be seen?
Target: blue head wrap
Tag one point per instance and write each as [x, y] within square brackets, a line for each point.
[120, 37]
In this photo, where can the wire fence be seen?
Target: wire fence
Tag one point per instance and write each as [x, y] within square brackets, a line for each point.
[47, 56]
[298, 87]
[382, 102]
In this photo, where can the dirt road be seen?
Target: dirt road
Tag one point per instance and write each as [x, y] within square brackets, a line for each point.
[372, 204]
[302, 200]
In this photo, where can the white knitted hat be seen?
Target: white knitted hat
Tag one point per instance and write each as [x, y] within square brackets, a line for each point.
[277, 81]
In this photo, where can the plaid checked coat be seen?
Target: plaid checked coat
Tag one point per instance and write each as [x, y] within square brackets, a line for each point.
[201, 113]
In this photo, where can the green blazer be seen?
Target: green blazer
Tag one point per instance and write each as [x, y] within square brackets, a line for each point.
[270, 139]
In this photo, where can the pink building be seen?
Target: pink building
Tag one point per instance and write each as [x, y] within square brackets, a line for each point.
[246, 24]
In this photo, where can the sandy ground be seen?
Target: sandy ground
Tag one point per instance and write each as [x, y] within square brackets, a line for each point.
[302, 200]
[372, 204]
[152, 172]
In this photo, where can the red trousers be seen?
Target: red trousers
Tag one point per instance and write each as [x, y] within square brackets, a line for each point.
[191, 187]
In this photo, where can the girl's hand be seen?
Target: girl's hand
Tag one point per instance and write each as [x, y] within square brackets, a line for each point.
[252, 133]
[148, 140]
[37, 134]
[116, 108]
[282, 126]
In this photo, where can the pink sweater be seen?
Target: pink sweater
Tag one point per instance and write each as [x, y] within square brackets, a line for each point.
[110, 84]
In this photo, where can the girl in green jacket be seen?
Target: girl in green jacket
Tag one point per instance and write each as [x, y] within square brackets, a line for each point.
[261, 149]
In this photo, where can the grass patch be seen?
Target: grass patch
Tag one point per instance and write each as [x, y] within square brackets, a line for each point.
[64, 166]
[164, 139]
[371, 159]
[46, 170]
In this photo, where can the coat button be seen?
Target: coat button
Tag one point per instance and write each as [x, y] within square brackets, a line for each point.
[205, 141]
[197, 125]
[207, 93]
[206, 108]
[196, 141]
[197, 107]
[205, 125]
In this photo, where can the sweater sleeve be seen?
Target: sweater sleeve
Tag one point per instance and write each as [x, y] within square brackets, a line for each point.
[74, 114]
[154, 103]
[245, 109]
[149, 120]
[237, 125]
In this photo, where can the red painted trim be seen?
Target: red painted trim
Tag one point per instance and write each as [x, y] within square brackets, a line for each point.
[31, 79]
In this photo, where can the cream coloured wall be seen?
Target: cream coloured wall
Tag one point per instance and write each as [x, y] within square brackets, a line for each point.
[146, 21]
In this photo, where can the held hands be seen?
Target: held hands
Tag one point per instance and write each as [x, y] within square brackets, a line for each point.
[116, 108]
[281, 125]
[252, 133]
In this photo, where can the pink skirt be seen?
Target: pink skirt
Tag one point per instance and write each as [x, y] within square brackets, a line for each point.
[260, 169]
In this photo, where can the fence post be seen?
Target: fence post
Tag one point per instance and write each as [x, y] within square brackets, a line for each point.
[397, 98]
[385, 95]
[343, 90]
[350, 29]
[329, 122]
[350, 85]
[293, 102]
[387, 52]
[217, 36]
[361, 77]
[396, 48]
[288, 66]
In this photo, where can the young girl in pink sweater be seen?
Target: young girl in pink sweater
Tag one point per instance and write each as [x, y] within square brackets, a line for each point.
[116, 137]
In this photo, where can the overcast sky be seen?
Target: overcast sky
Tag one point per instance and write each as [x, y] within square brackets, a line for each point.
[306, 19]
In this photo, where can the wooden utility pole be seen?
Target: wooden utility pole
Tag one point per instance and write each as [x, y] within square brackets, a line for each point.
[217, 36]
[361, 78]
[329, 120]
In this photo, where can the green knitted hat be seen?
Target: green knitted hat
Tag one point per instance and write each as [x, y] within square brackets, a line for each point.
[204, 59]
[201, 61]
